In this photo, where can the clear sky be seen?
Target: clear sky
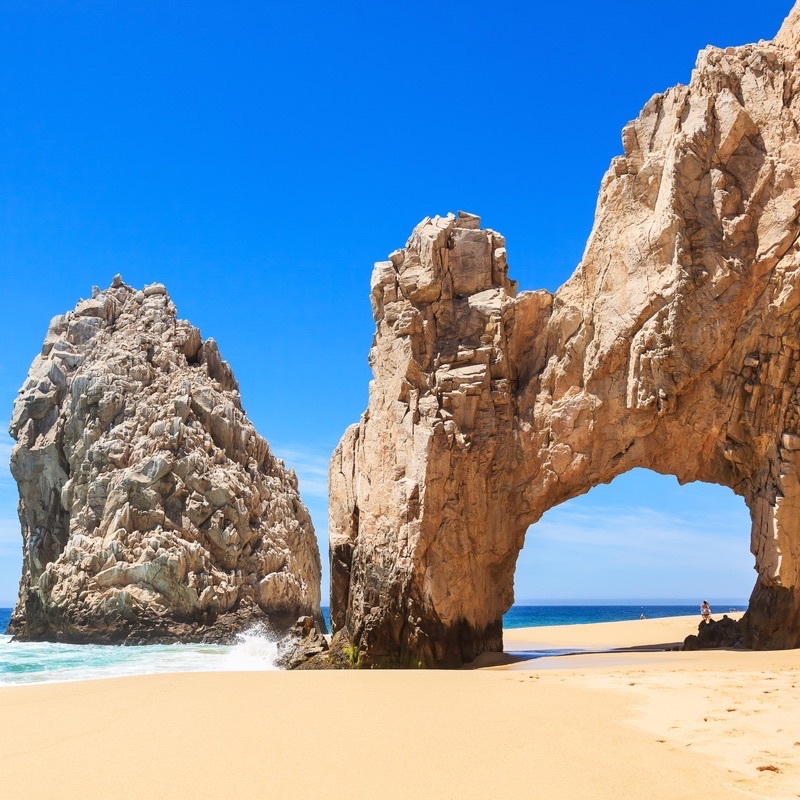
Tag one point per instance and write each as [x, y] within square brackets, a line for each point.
[258, 157]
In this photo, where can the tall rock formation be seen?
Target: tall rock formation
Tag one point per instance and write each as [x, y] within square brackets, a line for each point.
[151, 509]
[674, 346]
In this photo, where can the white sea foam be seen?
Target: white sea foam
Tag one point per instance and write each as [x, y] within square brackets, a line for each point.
[255, 649]
[45, 662]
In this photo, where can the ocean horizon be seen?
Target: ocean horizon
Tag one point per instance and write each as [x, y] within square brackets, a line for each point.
[46, 662]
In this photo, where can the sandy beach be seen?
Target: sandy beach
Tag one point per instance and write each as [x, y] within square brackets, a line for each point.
[668, 725]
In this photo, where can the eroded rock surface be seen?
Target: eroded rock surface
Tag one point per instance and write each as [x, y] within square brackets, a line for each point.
[725, 632]
[151, 509]
[674, 346]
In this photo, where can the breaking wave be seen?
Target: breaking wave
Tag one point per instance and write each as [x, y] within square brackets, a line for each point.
[45, 662]
[253, 651]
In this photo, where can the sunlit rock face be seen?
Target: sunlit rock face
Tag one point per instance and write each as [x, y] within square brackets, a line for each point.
[151, 510]
[674, 346]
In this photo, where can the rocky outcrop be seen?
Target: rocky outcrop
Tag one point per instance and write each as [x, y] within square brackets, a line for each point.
[303, 647]
[725, 632]
[674, 346]
[151, 510]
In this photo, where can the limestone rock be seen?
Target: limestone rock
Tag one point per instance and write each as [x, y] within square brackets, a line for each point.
[151, 510]
[674, 346]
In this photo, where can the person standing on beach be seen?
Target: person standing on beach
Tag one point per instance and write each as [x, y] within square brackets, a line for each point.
[705, 611]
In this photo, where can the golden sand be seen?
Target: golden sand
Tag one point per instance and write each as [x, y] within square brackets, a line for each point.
[636, 725]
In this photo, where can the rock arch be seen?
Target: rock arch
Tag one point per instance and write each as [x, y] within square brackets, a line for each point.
[674, 346]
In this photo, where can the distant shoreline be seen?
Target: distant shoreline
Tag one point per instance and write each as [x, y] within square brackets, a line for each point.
[550, 613]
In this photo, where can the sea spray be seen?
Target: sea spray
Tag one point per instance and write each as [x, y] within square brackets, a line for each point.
[256, 649]
[48, 662]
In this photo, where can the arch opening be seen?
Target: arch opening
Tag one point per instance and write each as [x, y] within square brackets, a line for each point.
[642, 539]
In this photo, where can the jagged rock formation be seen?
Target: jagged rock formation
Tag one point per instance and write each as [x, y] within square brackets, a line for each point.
[151, 509]
[724, 632]
[674, 346]
[304, 647]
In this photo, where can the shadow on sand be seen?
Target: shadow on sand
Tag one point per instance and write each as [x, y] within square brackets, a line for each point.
[518, 657]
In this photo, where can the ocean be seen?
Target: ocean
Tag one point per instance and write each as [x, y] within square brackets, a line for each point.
[44, 662]
[541, 616]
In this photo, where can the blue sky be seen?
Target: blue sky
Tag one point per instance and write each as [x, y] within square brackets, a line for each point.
[259, 157]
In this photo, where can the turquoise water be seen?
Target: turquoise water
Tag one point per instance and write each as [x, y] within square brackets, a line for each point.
[539, 616]
[44, 662]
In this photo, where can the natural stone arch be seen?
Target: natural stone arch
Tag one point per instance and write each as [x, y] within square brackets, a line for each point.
[674, 346]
